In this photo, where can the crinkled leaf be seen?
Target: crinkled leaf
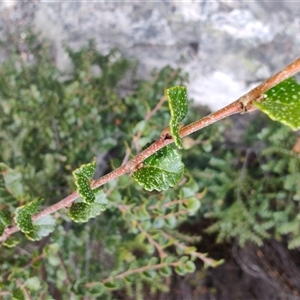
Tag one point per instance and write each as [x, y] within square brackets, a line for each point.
[83, 176]
[23, 216]
[178, 106]
[42, 228]
[282, 103]
[4, 220]
[37, 229]
[82, 212]
[11, 242]
[161, 170]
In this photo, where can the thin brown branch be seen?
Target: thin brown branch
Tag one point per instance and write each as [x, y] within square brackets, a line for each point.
[161, 252]
[280, 76]
[241, 105]
[137, 270]
[209, 261]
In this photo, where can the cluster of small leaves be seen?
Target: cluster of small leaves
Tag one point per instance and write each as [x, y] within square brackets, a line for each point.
[155, 248]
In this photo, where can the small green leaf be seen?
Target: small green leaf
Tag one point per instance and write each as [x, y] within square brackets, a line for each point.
[149, 274]
[18, 294]
[5, 195]
[171, 221]
[161, 170]
[180, 270]
[158, 222]
[165, 271]
[42, 228]
[33, 230]
[83, 176]
[282, 103]
[4, 220]
[178, 106]
[110, 285]
[193, 205]
[23, 216]
[81, 212]
[12, 181]
[33, 283]
[97, 289]
[190, 266]
[11, 242]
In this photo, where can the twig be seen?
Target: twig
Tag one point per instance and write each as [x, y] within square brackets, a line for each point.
[137, 270]
[242, 105]
[161, 252]
[209, 261]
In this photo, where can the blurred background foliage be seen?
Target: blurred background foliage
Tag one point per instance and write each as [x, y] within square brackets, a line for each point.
[241, 183]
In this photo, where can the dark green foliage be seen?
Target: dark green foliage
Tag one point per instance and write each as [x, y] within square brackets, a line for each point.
[252, 190]
[55, 122]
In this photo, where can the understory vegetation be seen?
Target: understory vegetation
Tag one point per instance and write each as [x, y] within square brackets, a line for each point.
[241, 180]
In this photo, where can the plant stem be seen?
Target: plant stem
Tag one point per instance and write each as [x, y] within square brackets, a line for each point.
[161, 252]
[241, 105]
[282, 75]
[210, 262]
[138, 270]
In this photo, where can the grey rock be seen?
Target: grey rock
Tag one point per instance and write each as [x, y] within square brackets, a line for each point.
[226, 47]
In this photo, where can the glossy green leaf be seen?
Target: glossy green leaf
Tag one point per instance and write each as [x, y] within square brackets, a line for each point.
[33, 230]
[110, 285]
[83, 176]
[177, 99]
[282, 103]
[190, 266]
[180, 270]
[165, 271]
[82, 212]
[4, 220]
[161, 170]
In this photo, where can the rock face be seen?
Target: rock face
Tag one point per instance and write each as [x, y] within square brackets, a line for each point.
[224, 46]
